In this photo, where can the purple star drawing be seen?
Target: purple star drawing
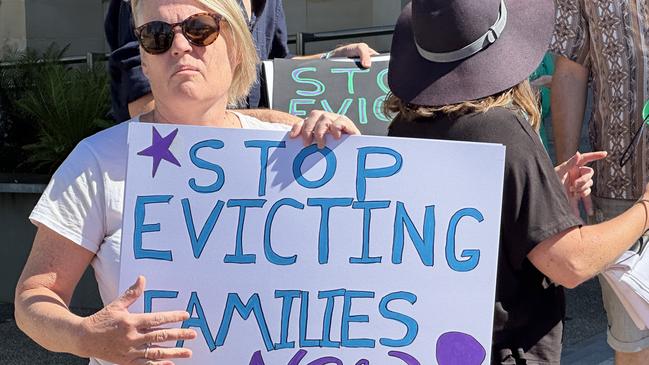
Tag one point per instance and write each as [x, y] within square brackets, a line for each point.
[159, 150]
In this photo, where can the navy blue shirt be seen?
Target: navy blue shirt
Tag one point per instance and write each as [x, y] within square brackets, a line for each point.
[127, 82]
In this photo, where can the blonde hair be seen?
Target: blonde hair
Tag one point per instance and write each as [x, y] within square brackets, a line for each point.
[245, 73]
[520, 98]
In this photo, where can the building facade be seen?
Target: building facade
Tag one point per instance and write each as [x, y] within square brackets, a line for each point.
[79, 23]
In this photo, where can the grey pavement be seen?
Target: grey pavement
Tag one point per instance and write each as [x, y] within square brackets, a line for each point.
[584, 336]
[585, 327]
[18, 349]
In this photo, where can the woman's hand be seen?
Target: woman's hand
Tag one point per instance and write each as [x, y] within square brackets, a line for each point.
[115, 335]
[543, 81]
[577, 179]
[320, 123]
[360, 50]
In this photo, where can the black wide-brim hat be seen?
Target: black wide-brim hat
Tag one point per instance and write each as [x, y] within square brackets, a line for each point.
[441, 30]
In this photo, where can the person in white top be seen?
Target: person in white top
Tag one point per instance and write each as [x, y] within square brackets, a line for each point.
[199, 57]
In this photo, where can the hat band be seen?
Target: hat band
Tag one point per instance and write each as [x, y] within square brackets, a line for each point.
[478, 45]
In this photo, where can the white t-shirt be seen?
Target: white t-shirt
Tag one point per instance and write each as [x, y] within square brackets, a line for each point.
[84, 200]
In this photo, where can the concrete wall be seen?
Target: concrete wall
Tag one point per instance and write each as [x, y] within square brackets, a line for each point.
[12, 25]
[325, 15]
[78, 23]
[38, 23]
[16, 237]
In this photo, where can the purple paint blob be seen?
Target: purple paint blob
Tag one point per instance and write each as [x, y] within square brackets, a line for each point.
[297, 358]
[408, 359]
[326, 360]
[257, 359]
[457, 348]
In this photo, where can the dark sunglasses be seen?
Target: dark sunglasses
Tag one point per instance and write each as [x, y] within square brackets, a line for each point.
[199, 29]
[630, 149]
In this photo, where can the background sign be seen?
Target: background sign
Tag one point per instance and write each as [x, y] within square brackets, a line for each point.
[373, 250]
[340, 86]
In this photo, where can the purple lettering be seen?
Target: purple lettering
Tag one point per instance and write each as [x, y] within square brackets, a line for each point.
[257, 359]
[408, 359]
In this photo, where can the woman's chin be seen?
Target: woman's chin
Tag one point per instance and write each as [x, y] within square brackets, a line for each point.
[188, 90]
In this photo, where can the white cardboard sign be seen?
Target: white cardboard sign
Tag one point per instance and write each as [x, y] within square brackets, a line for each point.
[374, 250]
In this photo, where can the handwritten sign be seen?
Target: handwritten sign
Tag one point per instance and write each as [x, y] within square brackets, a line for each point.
[340, 86]
[373, 250]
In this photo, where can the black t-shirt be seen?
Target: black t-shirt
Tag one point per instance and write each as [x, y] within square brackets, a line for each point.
[528, 313]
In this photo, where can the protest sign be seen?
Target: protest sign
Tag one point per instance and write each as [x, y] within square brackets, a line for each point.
[373, 250]
[340, 86]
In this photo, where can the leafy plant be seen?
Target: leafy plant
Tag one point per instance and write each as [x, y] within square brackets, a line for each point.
[68, 104]
[16, 128]
[46, 108]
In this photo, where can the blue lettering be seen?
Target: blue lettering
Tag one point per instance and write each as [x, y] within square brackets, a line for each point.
[141, 228]
[330, 159]
[323, 238]
[425, 246]
[363, 173]
[304, 319]
[472, 257]
[378, 109]
[362, 111]
[382, 82]
[198, 243]
[412, 328]
[264, 146]
[350, 76]
[287, 303]
[271, 255]
[294, 103]
[347, 318]
[330, 295]
[243, 204]
[253, 306]
[367, 217]
[202, 164]
[149, 295]
[200, 321]
[344, 107]
[319, 86]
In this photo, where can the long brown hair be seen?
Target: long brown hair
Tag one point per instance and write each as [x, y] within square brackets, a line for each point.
[520, 98]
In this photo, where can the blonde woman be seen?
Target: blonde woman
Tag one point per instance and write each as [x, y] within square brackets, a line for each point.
[458, 71]
[199, 57]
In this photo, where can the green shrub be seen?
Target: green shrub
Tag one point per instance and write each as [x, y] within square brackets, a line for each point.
[62, 104]
[68, 105]
[16, 128]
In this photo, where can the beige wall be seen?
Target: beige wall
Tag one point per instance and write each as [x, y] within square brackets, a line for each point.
[38, 23]
[329, 15]
[78, 23]
[12, 25]
[16, 242]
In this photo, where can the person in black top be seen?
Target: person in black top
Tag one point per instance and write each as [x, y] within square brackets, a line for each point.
[458, 71]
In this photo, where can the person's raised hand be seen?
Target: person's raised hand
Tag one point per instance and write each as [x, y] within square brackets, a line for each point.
[320, 123]
[116, 335]
[543, 81]
[360, 50]
[577, 179]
